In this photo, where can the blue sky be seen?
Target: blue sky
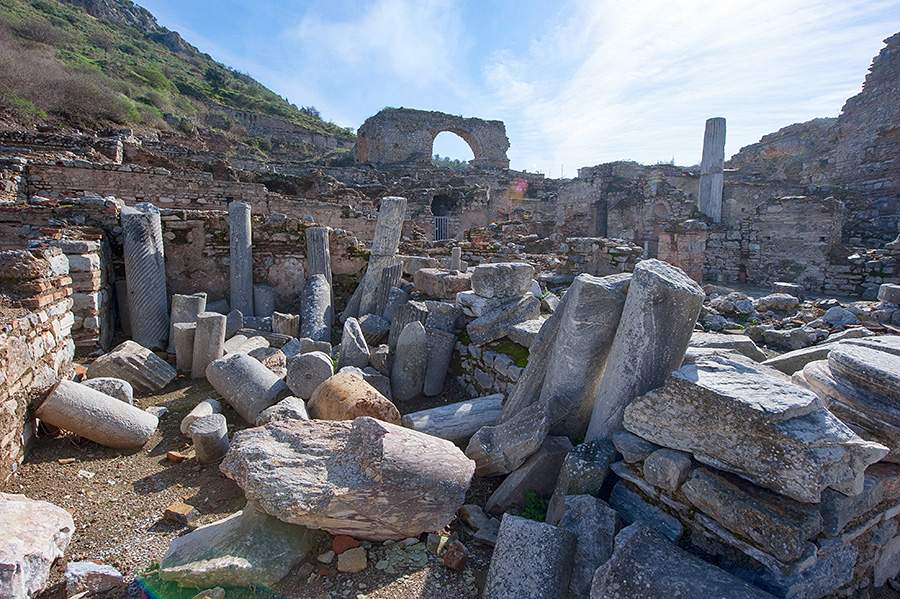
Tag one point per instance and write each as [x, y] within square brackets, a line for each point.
[577, 82]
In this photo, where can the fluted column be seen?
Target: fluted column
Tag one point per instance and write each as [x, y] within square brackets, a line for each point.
[709, 200]
[318, 252]
[384, 247]
[145, 275]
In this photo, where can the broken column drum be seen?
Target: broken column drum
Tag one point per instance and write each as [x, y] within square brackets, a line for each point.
[390, 277]
[240, 268]
[709, 200]
[316, 312]
[183, 339]
[410, 362]
[318, 252]
[440, 353]
[247, 385]
[209, 342]
[185, 308]
[384, 247]
[96, 416]
[209, 435]
[145, 275]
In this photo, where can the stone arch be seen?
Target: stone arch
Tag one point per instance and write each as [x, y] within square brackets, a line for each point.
[463, 135]
[443, 205]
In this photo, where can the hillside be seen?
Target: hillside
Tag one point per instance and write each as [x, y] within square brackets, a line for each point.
[88, 64]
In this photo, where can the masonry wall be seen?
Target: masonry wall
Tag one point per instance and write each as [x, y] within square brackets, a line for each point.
[36, 348]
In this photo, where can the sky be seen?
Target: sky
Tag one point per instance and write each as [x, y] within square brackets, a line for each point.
[577, 82]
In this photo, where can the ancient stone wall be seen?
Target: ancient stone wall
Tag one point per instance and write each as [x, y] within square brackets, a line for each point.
[12, 180]
[403, 135]
[684, 245]
[36, 347]
[860, 272]
[598, 256]
[484, 370]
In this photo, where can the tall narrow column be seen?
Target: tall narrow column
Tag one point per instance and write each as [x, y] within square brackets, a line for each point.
[241, 257]
[384, 248]
[709, 200]
[145, 275]
[318, 252]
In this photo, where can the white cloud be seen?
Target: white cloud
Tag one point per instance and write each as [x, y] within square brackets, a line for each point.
[614, 80]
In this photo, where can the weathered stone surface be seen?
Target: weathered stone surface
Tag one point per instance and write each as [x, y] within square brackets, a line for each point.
[587, 327]
[632, 507]
[35, 534]
[366, 478]
[289, 408]
[209, 435]
[633, 448]
[410, 362]
[775, 524]
[737, 343]
[209, 342]
[204, 408]
[318, 252]
[244, 549]
[374, 328]
[286, 324]
[531, 559]
[396, 298]
[145, 274]
[792, 361]
[346, 396]
[457, 421]
[271, 358]
[307, 371]
[882, 485]
[183, 338]
[240, 264]
[496, 323]
[390, 278]
[140, 367]
[645, 564]
[734, 415]
[594, 525]
[709, 195]
[380, 359]
[537, 474]
[441, 316]
[354, 349]
[113, 387]
[383, 250]
[245, 384]
[525, 332]
[185, 309]
[475, 305]
[316, 312]
[411, 311]
[502, 279]
[872, 363]
[583, 472]
[667, 468]
[661, 308]
[308, 345]
[96, 416]
[242, 344]
[440, 353]
[889, 293]
[439, 283]
[776, 301]
[97, 580]
[234, 322]
[263, 301]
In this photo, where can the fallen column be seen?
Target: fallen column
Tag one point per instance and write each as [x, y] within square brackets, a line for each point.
[410, 362]
[96, 416]
[185, 309]
[184, 345]
[339, 476]
[143, 369]
[209, 434]
[586, 331]
[307, 371]
[440, 353]
[117, 388]
[209, 342]
[317, 314]
[145, 275]
[240, 266]
[383, 251]
[204, 408]
[247, 385]
[709, 198]
[661, 308]
[456, 421]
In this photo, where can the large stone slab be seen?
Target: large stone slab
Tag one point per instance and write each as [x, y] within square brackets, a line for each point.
[661, 308]
[502, 279]
[496, 323]
[871, 363]
[538, 475]
[140, 367]
[35, 534]
[645, 564]
[249, 548]
[594, 524]
[364, 478]
[439, 283]
[587, 327]
[735, 415]
[583, 472]
[531, 559]
[525, 332]
[741, 344]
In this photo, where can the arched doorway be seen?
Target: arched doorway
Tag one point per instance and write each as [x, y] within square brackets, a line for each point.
[450, 150]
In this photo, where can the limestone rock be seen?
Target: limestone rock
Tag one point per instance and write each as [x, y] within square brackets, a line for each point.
[35, 534]
[307, 371]
[531, 559]
[316, 312]
[234, 322]
[632, 507]
[410, 362]
[583, 472]
[246, 548]
[475, 305]
[594, 525]
[735, 415]
[289, 408]
[346, 396]
[872, 364]
[113, 387]
[667, 468]
[94, 579]
[143, 369]
[645, 564]
[441, 284]
[206, 407]
[374, 328]
[366, 478]
[245, 384]
[537, 474]
[525, 332]
[503, 279]
[776, 301]
[737, 343]
[633, 448]
[354, 349]
[496, 323]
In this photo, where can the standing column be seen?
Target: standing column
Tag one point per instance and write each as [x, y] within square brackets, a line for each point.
[185, 308]
[209, 342]
[456, 258]
[318, 252]
[384, 248]
[709, 200]
[241, 257]
[145, 275]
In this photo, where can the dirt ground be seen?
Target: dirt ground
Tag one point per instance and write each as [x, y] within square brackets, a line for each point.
[118, 502]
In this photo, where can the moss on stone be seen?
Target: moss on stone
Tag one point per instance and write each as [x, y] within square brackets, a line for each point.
[518, 353]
